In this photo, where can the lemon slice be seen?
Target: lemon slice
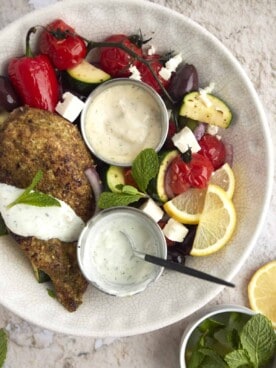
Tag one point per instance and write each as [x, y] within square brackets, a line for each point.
[187, 206]
[262, 291]
[217, 222]
[224, 178]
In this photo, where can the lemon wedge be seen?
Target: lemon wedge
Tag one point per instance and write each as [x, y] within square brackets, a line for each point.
[262, 291]
[217, 222]
[187, 206]
[224, 178]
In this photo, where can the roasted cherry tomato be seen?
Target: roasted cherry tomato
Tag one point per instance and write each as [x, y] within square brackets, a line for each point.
[214, 149]
[63, 46]
[129, 178]
[116, 61]
[147, 76]
[182, 175]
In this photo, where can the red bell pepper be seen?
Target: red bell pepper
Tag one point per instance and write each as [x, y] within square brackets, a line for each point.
[34, 78]
[63, 46]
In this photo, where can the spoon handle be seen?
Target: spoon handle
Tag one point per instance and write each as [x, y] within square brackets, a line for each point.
[186, 270]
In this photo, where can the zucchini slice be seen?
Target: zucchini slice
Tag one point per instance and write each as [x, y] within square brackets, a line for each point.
[206, 108]
[165, 161]
[114, 177]
[84, 77]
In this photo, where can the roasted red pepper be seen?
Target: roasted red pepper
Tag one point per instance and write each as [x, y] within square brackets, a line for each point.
[34, 79]
[63, 46]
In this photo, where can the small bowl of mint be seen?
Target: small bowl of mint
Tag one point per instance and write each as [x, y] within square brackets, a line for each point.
[228, 336]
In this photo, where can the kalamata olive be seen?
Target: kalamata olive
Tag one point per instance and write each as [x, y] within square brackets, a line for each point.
[178, 251]
[8, 98]
[184, 80]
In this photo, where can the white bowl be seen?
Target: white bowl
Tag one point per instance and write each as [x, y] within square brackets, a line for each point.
[174, 296]
[210, 312]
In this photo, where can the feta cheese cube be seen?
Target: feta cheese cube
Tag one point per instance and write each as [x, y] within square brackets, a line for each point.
[152, 209]
[186, 139]
[175, 231]
[70, 107]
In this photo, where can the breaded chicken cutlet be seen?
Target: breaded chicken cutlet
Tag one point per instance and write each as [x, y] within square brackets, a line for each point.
[32, 140]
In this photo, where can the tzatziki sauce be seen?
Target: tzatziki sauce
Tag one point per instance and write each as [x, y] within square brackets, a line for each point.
[123, 119]
[41, 222]
[106, 257]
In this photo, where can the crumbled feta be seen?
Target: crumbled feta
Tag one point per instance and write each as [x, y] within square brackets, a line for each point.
[152, 209]
[186, 139]
[170, 67]
[70, 106]
[173, 62]
[165, 73]
[151, 50]
[203, 94]
[135, 74]
[204, 98]
[175, 231]
[212, 129]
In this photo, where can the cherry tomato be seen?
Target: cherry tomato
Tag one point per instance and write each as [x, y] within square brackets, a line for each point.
[62, 45]
[214, 149]
[116, 61]
[129, 178]
[147, 76]
[182, 175]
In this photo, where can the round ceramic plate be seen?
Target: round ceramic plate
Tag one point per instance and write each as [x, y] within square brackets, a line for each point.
[173, 296]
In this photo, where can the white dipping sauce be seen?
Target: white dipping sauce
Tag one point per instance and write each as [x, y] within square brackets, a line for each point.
[121, 121]
[106, 256]
[42, 222]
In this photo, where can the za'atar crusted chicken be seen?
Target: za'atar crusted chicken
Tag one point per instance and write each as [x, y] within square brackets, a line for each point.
[32, 140]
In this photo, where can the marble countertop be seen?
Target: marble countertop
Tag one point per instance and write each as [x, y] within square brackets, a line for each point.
[248, 29]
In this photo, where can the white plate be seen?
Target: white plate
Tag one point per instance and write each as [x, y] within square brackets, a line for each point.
[174, 296]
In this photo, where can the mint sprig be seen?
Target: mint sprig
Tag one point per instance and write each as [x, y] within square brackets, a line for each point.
[247, 343]
[3, 346]
[127, 196]
[35, 198]
[144, 168]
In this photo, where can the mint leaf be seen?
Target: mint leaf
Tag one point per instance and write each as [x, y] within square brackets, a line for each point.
[129, 189]
[39, 199]
[214, 360]
[110, 199]
[237, 358]
[210, 326]
[34, 198]
[3, 229]
[259, 340]
[3, 346]
[145, 167]
[51, 293]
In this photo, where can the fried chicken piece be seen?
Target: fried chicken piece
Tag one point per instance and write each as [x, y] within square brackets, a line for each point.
[32, 140]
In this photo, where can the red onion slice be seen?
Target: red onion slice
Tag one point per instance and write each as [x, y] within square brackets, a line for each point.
[200, 131]
[96, 185]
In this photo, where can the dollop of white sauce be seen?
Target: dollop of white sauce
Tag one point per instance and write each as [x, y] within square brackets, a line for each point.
[108, 259]
[41, 222]
[122, 121]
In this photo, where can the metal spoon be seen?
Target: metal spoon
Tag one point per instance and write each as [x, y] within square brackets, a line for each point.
[175, 266]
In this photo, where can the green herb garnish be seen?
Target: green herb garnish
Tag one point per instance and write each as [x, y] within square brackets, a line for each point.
[144, 168]
[3, 346]
[123, 198]
[3, 229]
[35, 198]
[239, 342]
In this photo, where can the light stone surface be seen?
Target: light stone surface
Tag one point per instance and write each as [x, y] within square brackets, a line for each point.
[248, 29]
